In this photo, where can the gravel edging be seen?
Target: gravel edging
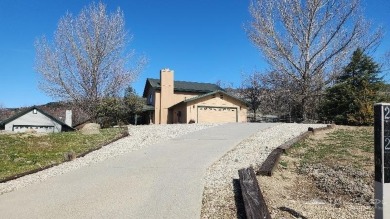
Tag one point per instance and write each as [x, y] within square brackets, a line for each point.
[139, 137]
[219, 193]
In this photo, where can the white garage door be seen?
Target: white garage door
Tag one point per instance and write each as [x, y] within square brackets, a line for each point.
[211, 114]
[40, 129]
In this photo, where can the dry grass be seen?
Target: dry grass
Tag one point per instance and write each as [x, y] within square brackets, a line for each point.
[329, 175]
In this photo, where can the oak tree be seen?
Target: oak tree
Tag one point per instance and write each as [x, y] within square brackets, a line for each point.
[252, 90]
[308, 41]
[88, 59]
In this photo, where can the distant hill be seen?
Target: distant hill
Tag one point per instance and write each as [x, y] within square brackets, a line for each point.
[56, 109]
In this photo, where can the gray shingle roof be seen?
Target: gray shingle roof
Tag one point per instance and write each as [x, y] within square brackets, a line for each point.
[185, 86]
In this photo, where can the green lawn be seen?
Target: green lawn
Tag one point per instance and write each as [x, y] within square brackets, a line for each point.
[24, 152]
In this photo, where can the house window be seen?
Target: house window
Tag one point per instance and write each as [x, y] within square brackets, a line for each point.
[35, 111]
[221, 96]
[151, 99]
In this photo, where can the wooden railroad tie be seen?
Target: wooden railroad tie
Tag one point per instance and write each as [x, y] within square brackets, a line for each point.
[255, 206]
[270, 163]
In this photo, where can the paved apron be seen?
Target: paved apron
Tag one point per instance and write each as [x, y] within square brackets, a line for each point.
[164, 180]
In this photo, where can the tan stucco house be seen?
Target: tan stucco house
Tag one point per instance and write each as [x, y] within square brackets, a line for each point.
[170, 101]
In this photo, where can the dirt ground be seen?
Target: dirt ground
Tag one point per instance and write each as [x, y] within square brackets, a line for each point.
[334, 188]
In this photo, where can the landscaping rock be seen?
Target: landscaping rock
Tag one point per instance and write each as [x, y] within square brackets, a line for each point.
[90, 129]
[19, 159]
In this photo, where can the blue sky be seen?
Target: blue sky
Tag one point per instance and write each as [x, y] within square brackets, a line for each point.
[201, 40]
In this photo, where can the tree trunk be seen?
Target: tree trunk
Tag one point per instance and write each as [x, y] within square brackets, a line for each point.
[304, 109]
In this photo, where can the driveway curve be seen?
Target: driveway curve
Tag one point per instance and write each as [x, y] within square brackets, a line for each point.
[164, 180]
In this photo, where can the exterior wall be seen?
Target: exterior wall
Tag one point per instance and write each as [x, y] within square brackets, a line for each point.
[182, 111]
[191, 112]
[243, 114]
[177, 98]
[217, 101]
[34, 120]
[157, 102]
[180, 96]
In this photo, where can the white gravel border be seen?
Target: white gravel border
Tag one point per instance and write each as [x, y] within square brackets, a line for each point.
[139, 137]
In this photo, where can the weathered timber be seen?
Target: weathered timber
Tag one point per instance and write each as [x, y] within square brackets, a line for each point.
[292, 212]
[255, 206]
[330, 126]
[314, 130]
[272, 160]
[289, 143]
[269, 164]
[27, 173]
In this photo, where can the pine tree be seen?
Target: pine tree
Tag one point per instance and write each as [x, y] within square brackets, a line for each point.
[350, 100]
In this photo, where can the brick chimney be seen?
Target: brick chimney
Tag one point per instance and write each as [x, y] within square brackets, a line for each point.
[166, 82]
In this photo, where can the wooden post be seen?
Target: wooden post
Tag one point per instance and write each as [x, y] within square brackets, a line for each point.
[270, 163]
[255, 206]
[382, 160]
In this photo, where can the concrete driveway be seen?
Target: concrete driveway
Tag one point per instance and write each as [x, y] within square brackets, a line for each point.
[164, 180]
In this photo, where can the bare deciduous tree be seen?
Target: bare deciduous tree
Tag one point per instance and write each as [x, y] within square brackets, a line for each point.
[386, 61]
[307, 42]
[227, 86]
[88, 58]
[252, 90]
[276, 98]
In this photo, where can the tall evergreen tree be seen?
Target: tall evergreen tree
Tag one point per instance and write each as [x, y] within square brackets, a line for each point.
[350, 100]
[361, 68]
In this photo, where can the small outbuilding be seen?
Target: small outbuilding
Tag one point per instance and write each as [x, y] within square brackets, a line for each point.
[35, 119]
